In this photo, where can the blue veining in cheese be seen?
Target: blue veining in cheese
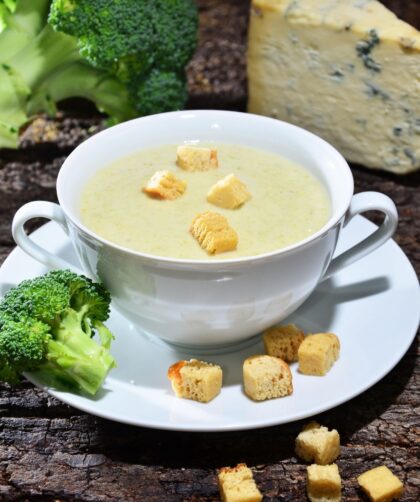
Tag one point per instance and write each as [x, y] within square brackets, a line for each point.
[348, 70]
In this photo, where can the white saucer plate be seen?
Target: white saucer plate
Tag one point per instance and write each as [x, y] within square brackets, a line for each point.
[373, 306]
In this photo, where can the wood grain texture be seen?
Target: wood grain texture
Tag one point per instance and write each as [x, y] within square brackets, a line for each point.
[52, 452]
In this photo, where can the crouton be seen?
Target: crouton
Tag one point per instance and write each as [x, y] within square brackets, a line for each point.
[196, 380]
[283, 342]
[380, 484]
[317, 444]
[266, 377]
[317, 353]
[213, 233]
[164, 185]
[323, 483]
[236, 484]
[194, 158]
[229, 193]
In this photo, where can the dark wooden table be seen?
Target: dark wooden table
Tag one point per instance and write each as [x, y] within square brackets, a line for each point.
[52, 452]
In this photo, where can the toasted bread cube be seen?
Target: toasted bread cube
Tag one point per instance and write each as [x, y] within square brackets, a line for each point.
[317, 353]
[380, 484]
[324, 483]
[236, 484]
[213, 233]
[196, 380]
[283, 342]
[317, 444]
[195, 158]
[229, 193]
[266, 377]
[164, 185]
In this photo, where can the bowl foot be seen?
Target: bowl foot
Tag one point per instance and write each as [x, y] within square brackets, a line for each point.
[201, 350]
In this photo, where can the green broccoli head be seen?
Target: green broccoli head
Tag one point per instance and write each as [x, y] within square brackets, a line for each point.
[84, 295]
[46, 298]
[145, 44]
[42, 299]
[160, 91]
[47, 325]
[129, 35]
[23, 345]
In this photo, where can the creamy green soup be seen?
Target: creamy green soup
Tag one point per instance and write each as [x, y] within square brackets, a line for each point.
[287, 205]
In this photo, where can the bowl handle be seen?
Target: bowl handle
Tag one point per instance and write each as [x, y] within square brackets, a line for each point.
[361, 202]
[40, 209]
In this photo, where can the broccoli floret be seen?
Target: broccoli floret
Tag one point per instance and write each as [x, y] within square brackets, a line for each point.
[146, 44]
[128, 56]
[130, 35]
[91, 297]
[161, 91]
[41, 298]
[46, 326]
[22, 346]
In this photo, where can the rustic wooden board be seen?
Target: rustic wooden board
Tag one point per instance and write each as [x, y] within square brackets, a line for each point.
[51, 452]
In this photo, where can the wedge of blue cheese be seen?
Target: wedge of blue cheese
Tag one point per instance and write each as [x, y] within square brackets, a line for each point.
[347, 70]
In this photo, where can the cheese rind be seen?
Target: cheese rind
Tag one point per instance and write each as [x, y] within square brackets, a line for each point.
[348, 70]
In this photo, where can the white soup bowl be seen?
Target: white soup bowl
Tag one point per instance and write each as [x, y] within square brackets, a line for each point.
[207, 304]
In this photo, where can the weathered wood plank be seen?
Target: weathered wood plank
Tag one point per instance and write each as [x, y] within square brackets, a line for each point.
[52, 452]
[49, 449]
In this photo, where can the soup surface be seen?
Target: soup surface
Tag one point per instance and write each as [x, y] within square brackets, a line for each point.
[288, 203]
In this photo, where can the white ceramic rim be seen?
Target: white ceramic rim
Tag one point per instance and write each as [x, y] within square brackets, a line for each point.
[336, 157]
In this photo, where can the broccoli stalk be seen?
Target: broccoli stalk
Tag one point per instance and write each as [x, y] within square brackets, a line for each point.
[83, 81]
[46, 326]
[72, 356]
[23, 20]
[128, 57]
[46, 70]
[9, 4]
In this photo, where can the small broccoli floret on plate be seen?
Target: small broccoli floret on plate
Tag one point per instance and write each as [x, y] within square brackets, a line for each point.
[23, 345]
[84, 294]
[41, 298]
[47, 326]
